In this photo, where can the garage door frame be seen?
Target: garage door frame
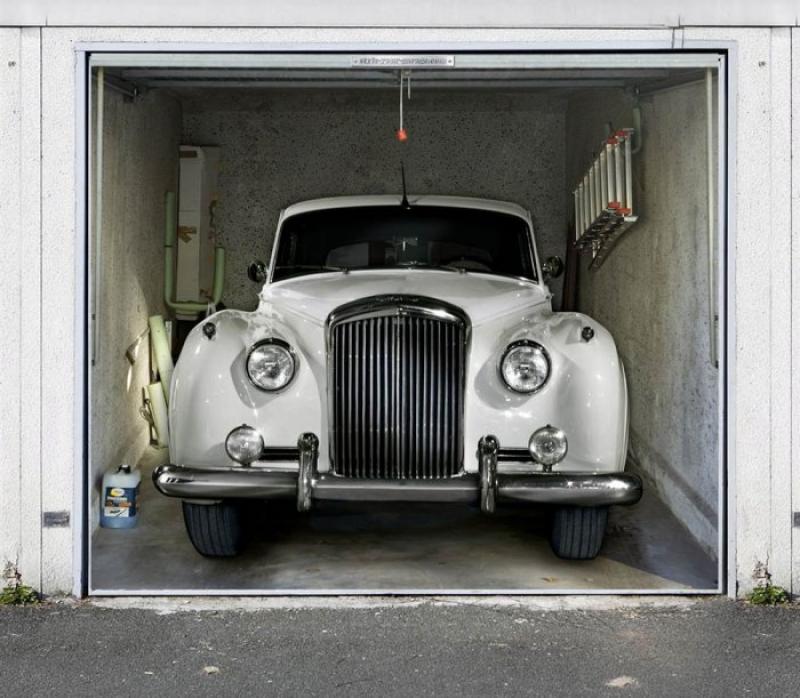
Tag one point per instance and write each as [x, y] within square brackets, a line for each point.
[606, 54]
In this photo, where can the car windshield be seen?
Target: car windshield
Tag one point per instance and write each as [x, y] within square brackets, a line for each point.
[381, 237]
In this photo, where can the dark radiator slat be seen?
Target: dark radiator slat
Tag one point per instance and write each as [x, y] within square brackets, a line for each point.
[398, 396]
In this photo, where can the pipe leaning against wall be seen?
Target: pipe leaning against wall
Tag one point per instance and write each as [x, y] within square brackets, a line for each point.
[170, 240]
[712, 315]
[163, 355]
[98, 205]
[158, 408]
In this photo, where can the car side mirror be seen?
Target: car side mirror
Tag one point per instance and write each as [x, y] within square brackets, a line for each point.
[553, 267]
[257, 271]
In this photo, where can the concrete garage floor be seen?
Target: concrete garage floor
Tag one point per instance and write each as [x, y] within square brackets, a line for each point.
[432, 547]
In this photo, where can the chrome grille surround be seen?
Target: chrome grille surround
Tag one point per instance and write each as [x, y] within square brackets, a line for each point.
[396, 381]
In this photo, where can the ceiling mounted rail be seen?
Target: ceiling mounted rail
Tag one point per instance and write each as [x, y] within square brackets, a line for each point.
[483, 61]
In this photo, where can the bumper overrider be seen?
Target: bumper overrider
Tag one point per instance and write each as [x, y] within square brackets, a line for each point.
[487, 487]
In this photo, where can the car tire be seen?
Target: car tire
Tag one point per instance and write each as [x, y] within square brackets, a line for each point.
[577, 532]
[215, 530]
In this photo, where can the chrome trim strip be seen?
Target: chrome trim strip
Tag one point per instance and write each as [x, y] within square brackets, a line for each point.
[308, 445]
[487, 453]
[224, 483]
[456, 489]
[393, 304]
[538, 488]
[571, 489]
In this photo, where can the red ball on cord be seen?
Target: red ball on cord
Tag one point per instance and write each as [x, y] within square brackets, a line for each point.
[402, 135]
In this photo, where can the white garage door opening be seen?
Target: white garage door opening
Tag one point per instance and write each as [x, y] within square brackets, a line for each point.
[190, 152]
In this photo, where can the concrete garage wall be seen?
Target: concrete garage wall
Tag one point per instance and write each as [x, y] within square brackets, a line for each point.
[652, 294]
[140, 164]
[278, 148]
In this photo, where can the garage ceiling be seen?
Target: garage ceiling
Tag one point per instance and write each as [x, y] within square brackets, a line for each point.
[177, 71]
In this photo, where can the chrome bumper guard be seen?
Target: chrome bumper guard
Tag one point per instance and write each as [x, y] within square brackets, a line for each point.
[308, 485]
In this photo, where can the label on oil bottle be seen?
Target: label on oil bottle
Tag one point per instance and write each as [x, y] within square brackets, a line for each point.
[120, 502]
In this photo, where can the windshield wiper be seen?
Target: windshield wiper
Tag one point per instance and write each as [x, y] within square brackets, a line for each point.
[428, 265]
[314, 267]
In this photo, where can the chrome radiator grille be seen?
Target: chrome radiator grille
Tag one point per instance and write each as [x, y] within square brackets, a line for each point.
[397, 380]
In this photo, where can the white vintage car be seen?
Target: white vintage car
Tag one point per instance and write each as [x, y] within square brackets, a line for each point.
[405, 351]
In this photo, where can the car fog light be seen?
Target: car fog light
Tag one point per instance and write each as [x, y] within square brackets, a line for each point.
[548, 446]
[244, 445]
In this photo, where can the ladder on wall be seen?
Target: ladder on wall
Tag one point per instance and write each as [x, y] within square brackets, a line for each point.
[604, 198]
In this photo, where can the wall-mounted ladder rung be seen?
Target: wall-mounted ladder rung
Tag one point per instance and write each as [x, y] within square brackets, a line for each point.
[604, 198]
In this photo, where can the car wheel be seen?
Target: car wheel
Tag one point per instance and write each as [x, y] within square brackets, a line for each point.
[215, 529]
[577, 532]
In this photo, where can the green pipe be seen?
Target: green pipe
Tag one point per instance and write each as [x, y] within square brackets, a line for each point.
[219, 274]
[171, 233]
[170, 240]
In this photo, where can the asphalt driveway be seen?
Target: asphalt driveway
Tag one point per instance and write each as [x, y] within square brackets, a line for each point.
[402, 647]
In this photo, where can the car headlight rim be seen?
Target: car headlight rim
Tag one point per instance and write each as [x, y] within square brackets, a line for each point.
[513, 347]
[281, 345]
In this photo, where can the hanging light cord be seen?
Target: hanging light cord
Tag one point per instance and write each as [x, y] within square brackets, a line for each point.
[402, 135]
[401, 100]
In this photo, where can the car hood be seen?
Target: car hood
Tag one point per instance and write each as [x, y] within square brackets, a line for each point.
[481, 296]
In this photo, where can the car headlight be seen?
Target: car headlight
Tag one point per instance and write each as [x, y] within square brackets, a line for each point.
[271, 364]
[525, 366]
[244, 445]
[548, 445]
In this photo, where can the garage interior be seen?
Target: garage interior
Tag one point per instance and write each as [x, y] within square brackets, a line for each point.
[274, 133]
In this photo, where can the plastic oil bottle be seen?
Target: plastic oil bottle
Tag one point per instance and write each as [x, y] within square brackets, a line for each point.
[119, 507]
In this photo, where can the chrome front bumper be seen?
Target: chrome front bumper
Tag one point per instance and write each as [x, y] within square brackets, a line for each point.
[308, 485]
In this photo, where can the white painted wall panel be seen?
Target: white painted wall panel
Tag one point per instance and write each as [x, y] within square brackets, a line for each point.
[795, 315]
[762, 305]
[752, 309]
[59, 299]
[10, 292]
[20, 442]
[779, 223]
[31, 442]
[411, 13]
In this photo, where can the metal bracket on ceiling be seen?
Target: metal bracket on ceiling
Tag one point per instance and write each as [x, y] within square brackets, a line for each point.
[130, 90]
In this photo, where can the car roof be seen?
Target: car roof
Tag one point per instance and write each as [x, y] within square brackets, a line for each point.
[396, 199]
